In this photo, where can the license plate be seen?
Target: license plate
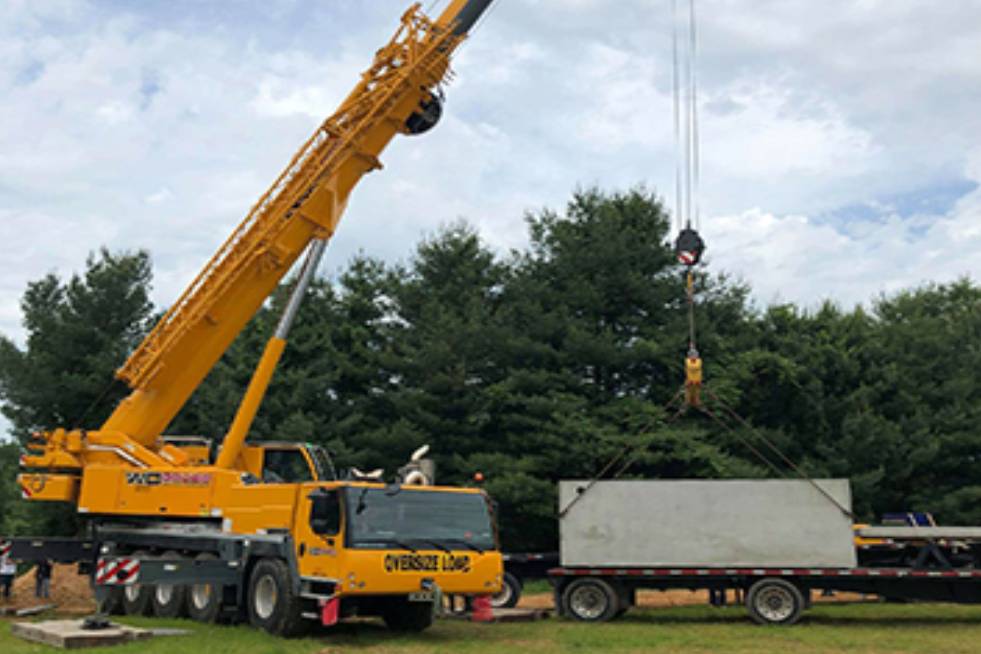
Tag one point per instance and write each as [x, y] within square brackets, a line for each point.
[428, 596]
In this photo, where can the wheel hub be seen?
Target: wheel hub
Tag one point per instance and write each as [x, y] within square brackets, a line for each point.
[588, 603]
[775, 604]
[266, 595]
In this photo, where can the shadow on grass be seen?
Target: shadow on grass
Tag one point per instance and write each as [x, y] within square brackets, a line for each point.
[902, 619]
[369, 633]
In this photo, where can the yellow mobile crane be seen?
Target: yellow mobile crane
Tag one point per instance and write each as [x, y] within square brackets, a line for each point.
[183, 535]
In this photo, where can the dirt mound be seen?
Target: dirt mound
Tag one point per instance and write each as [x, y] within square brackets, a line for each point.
[69, 590]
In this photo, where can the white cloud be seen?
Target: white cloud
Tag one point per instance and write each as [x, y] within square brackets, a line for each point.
[797, 259]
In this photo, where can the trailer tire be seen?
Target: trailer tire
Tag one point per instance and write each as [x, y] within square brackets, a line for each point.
[510, 592]
[774, 602]
[204, 600]
[590, 600]
[400, 614]
[273, 604]
[170, 600]
[138, 598]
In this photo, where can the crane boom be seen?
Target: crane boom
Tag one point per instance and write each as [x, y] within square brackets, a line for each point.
[305, 202]
[399, 93]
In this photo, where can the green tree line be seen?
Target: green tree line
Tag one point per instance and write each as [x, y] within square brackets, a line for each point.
[544, 364]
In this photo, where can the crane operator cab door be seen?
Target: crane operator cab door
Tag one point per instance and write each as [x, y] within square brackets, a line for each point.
[320, 533]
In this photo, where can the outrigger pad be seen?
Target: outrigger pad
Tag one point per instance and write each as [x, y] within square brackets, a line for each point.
[689, 247]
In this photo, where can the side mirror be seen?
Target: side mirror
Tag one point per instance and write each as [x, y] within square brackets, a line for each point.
[325, 512]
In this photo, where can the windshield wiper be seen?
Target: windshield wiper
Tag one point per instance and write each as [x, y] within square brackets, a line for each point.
[389, 542]
[438, 545]
[466, 543]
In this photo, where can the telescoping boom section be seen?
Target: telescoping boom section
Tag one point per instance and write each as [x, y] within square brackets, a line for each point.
[101, 469]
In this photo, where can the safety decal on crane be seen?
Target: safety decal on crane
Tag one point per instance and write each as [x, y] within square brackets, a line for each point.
[115, 572]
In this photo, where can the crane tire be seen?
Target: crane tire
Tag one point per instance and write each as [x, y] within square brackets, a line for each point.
[138, 598]
[272, 604]
[170, 600]
[204, 601]
[509, 594]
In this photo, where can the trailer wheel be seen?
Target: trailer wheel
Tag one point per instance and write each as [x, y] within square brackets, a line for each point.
[510, 592]
[273, 605]
[138, 598]
[204, 600]
[590, 600]
[400, 614]
[170, 600]
[774, 601]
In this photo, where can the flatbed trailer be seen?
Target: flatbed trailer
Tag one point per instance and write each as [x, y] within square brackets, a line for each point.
[772, 595]
[775, 542]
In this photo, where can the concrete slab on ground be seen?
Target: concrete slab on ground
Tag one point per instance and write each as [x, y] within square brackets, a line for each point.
[27, 610]
[68, 634]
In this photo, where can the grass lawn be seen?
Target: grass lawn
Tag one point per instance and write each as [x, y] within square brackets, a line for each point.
[857, 628]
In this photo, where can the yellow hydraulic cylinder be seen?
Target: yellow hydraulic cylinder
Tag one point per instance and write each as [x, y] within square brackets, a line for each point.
[235, 438]
[249, 406]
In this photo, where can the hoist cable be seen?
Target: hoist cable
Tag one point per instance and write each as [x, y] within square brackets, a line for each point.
[625, 451]
[693, 100]
[679, 160]
[691, 309]
[772, 466]
[776, 450]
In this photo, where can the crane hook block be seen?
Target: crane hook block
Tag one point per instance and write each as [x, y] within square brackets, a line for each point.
[693, 378]
[689, 247]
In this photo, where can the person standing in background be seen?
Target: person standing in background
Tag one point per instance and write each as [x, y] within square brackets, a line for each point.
[42, 579]
[7, 571]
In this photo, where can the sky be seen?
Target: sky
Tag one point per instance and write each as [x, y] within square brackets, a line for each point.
[841, 156]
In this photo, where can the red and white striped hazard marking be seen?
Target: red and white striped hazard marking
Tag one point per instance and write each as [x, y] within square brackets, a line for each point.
[5, 547]
[687, 258]
[25, 492]
[116, 572]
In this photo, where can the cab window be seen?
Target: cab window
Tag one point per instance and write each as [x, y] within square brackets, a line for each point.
[325, 512]
[285, 467]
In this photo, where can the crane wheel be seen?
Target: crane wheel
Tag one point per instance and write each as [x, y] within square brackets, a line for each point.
[204, 601]
[273, 604]
[138, 598]
[170, 600]
[509, 594]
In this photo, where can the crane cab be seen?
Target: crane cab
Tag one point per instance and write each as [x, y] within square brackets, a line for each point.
[274, 462]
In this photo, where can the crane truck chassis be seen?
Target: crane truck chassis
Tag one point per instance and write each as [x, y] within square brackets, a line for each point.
[355, 548]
